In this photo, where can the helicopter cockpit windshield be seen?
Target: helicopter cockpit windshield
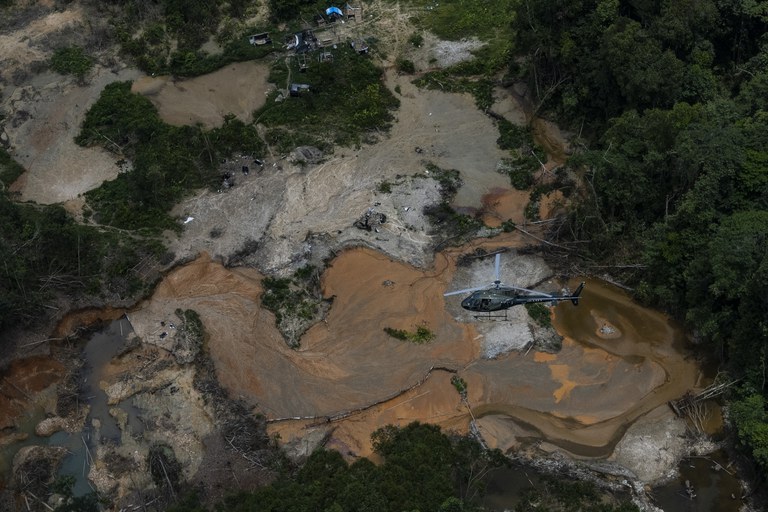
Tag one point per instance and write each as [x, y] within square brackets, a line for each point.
[469, 303]
[474, 303]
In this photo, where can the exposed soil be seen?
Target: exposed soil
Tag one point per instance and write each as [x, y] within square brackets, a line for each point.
[237, 89]
[350, 377]
[279, 206]
[618, 363]
[22, 385]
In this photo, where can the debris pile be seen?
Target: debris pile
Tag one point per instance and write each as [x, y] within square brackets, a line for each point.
[371, 220]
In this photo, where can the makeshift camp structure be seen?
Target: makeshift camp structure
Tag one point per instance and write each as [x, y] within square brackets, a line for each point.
[334, 13]
[359, 45]
[301, 42]
[259, 39]
[295, 90]
[353, 13]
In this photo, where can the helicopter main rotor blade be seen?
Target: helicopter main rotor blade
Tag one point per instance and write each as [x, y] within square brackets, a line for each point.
[465, 290]
[498, 264]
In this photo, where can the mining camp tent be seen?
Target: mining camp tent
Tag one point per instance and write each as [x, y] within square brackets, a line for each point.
[334, 13]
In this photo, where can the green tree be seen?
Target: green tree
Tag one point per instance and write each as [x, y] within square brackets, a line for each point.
[418, 469]
[646, 74]
[751, 422]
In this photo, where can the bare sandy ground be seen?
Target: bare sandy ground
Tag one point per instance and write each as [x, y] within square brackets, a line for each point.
[25, 46]
[44, 112]
[45, 117]
[281, 205]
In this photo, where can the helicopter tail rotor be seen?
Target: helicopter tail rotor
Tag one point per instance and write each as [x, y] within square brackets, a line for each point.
[575, 296]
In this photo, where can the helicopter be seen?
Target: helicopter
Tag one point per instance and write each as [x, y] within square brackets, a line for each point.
[498, 296]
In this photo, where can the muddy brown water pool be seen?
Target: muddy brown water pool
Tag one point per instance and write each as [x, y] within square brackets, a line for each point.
[618, 362]
[715, 484]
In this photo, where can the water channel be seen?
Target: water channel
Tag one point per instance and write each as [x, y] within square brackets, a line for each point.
[717, 488]
[100, 425]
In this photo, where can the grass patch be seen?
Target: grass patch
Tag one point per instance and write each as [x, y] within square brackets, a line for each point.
[522, 167]
[490, 22]
[421, 335]
[480, 88]
[191, 324]
[455, 19]
[416, 39]
[508, 226]
[10, 169]
[71, 61]
[347, 101]
[285, 140]
[519, 170]
[405, 66]
[449, 179]
[190, 336]
[460, 385]
[539, 313]
[168, 38]
[512, 136]
[527, 158]
[447, 222]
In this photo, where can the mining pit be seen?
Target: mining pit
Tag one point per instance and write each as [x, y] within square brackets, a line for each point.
[603, 391]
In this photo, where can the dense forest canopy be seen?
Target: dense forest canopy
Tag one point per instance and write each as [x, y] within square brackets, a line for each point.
[421, 468]
[670, 99]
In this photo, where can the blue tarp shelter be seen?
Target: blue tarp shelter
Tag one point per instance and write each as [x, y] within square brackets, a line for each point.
[334, 12]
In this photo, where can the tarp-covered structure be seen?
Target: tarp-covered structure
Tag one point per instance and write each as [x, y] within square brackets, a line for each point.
[334, 13]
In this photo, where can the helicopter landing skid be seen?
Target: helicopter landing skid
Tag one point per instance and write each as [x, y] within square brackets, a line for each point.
[489, 316]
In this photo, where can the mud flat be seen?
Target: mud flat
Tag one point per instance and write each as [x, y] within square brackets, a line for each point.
[350, 373]
[237, 89]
